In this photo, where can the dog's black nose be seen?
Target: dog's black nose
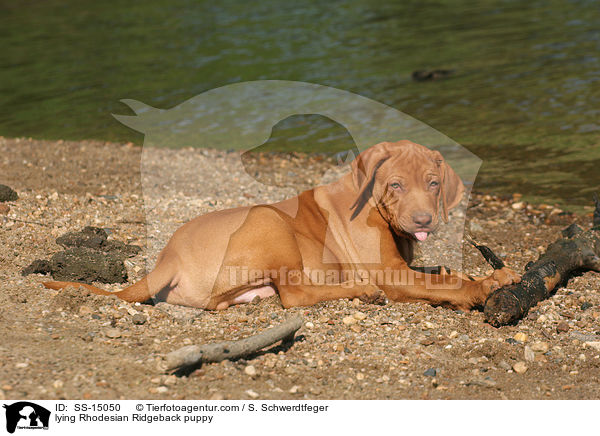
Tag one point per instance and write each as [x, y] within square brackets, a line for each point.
[422, 219]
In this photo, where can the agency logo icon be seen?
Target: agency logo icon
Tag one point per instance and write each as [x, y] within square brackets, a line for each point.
[24, 415]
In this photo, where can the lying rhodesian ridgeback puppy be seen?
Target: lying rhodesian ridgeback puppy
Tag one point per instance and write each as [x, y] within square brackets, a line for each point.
[351, 238]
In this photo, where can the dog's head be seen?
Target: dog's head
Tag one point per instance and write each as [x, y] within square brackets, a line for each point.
[407, 182]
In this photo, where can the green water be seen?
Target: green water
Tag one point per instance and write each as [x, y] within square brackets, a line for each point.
[525, 95]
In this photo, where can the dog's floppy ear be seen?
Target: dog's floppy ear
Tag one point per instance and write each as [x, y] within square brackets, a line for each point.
[364, 168]
[451, 186]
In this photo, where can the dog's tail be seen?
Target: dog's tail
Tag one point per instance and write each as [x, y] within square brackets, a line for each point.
[137, 292]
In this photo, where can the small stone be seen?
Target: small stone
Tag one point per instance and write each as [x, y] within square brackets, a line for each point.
[355, 328]
[294, 389]
[162, 389]
[349, 320]
[85, 310]
[528, 354]
[464, 338]
[170, 380]
[356, 302]
[473, 360]
[504, 365]
[250, 370]
[252, 394]
[521, 337]
[6, 387]
[7, 194]
[520, 367]
[541, 319]
[155, 380]
[138, 319]
[217, 396]
[562, 327]
[453, 334]
[431, 372]
[519, 205]
[112, 333]
[22, 365]
[360, 376]
[58, 384]
[309, 325]
[359, 315]
[594, 344]
[540, 347]
[4, 209]
[586, 305]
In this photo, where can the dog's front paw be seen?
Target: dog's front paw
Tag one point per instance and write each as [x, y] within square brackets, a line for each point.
[375, 296]
[501, 277]
[498, 279]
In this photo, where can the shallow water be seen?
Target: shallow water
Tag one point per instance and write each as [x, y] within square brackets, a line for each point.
[524, 95]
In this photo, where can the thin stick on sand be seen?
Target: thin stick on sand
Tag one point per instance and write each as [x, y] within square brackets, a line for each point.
[195, 355]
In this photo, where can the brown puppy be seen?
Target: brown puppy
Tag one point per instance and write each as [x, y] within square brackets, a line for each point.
[351, 238]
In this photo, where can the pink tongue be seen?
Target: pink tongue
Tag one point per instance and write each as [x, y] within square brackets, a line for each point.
[421, 236]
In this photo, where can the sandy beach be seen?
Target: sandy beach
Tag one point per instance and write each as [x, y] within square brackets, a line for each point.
[71, 345]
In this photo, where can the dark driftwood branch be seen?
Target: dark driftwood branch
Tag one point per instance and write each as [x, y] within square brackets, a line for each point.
[194, 355]
[577, 250]
[488, 255]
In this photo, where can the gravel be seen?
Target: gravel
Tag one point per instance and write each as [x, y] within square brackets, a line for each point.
[82, 339]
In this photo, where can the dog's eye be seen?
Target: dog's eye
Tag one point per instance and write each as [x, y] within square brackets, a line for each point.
[434, 184]
[395, 185]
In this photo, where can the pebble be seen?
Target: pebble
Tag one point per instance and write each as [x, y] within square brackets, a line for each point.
[562, 327]
[359, 315]
[22, 365]
[520, 368]
[453, 334]
[85, 310]
[7, 194]
[138, 319]
[294, 389]
[4, 209]
[528, 354]
[250, 370]
[594, 344]
[349, 320]
[112, 333]
[519, 205]
[360, 376]
[217, 396]
[170, 380]
[58, 384]
[504, 365]
[252, 394]
[309, 325]
[540, 347]
[162, 389]
[431, 372]
[521, 337]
